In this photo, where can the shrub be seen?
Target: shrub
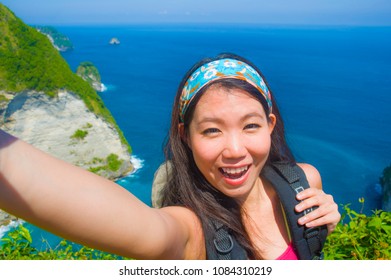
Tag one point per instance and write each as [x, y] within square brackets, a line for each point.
[17, 245]
[361, 237]
[113, 163]
[79, 134]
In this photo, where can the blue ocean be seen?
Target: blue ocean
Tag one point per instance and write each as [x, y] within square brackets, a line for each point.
[332, 85]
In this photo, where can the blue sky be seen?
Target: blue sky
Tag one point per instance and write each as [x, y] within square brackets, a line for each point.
[315, 12]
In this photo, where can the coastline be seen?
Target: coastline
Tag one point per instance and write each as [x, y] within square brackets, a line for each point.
[7, 222]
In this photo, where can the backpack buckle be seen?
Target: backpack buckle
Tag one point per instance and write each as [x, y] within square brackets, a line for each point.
[227, 243]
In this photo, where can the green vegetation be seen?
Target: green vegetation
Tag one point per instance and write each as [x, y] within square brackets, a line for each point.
[362, 237]
[79, 134]
[28, 61]
[88, 125]
[3, 98]
[60, 41]
[17, 245]
[112, 163]
[97, 160]
[88, 72]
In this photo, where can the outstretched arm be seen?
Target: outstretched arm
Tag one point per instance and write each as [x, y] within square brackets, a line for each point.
[327, 211]
[85, 208]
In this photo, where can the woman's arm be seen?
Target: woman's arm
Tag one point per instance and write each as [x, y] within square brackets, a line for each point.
[327, 211]
[86, 208]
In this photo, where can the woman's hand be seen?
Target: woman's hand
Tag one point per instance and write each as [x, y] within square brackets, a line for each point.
[326, 213]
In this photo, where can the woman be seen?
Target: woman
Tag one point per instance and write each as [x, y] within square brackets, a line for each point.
[225, 128]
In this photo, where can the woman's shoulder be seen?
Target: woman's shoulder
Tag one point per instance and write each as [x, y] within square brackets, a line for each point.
[313, 176]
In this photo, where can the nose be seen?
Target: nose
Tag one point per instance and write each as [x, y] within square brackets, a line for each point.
[234, 146]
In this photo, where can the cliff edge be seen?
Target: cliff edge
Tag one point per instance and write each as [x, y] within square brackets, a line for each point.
[44, 103]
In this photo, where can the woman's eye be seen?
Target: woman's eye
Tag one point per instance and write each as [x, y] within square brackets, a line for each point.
[252, 126]
[210, 131]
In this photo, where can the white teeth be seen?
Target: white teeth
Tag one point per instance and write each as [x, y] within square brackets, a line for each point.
[235, 170]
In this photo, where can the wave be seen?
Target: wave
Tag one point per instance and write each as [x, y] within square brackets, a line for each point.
[103, 87]
[107, 87]
[137, 163]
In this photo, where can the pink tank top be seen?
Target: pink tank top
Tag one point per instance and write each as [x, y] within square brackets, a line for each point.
[289, 254]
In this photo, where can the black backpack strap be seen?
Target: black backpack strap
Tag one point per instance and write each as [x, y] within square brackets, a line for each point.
[225, 246]
[288, 180]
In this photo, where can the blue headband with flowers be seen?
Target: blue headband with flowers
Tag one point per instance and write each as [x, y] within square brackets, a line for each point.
[221, 69]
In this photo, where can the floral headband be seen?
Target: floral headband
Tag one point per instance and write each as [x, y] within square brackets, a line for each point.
[221, 69]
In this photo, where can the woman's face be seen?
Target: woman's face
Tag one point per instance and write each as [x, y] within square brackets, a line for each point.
[229, 136]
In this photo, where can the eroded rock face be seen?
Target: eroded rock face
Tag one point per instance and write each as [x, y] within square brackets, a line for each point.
[63, 127]
[88, 72]
[386, 185]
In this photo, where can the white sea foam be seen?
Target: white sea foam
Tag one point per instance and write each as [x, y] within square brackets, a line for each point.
[107, 87]
[10, 226]
[137, 163]
[103, 87]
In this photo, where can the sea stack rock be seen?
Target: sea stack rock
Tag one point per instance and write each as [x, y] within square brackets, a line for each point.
[385, 181]
[114, 41]
[88, 72]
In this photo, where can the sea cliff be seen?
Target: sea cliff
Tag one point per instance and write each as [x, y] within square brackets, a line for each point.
[65, 128]
[47, 105]
[44, 103]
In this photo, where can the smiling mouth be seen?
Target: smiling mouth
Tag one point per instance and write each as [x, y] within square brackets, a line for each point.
[234, 173]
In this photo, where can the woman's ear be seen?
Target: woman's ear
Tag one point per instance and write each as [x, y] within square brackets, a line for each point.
[182, 133]
[272, 122]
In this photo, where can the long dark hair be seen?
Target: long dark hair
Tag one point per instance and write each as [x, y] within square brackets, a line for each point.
[188, 187]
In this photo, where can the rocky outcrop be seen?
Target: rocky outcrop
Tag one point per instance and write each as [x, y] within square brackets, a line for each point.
[63, 127]
[114, 41]
[61, 42]
[88, 72]
[385, 182]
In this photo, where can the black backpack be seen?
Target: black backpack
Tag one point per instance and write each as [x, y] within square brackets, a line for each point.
[287, 180]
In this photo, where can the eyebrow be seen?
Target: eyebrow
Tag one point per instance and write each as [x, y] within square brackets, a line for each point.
[218, 120]
[252, 115]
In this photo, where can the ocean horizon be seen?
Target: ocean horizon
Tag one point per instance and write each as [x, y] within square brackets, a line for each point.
[332, 85]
